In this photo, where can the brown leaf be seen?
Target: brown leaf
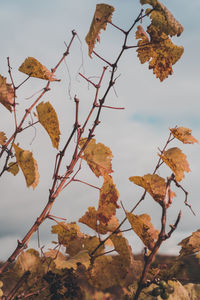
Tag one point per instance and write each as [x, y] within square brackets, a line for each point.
[108, 200]
[3, 138]
[143, 228]
[98, 157]
[191, 244]
[6, 94]
[177, 162]
[184, 135]
[102, 15]
[154, 185]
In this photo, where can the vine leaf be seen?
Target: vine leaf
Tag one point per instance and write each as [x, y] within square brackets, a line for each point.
[90, 218]
[122, 246]
[158, 48]
[70, 236]
[6, 93]
[98, 157]
[184, 135]
[33, 68]
[28, 166]
[102, 15]
[62, 262]
[48, 118]
[3, 138]
[154, 185]
[191, 244]
[177, 162]
[108, 200]
[28, 261]
[143, 228]
[13, 168]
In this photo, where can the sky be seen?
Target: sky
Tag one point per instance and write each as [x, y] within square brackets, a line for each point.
[41, 29]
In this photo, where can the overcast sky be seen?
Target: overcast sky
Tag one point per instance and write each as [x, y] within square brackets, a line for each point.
[39, 29]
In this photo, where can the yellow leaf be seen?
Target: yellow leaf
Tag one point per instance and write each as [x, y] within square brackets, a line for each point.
[6, 94]
[144, 229]
[177, 162]
[13, 168]
[184, 135]
[122, 246]
[160, 52]
[3, 138]
[34, 68]
[108, 200]
[28, 261]
[49, 120]
[154, 185]
[98, 157]
[90, 218]
[191, 244]
[62, 262]
[102, 15]
[28, 166]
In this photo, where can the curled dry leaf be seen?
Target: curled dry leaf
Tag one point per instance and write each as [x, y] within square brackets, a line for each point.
[3, 138]
[177, 162]
[13, 168]
[28, 166]
[102, 15]
[184, 135]
[6, 94]
[154, 185]
[33, 68]
[48, 118]
[143, 228]
[98, 157]
[191, 244]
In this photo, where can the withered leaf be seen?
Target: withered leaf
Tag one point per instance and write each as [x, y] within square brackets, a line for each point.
[143, 228]
[154, 185]
[184, 135]
[13, 168]
[191, 244]
[6, 94]
[102, 15]
[28, 166]
[3, 138]
[48, 118]
[34, 68]
[98, 157]
[177, 162]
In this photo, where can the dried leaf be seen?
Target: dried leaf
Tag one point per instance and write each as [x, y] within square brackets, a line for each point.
[163, 19]
[177, 162]
[144, 229]
[28, 261]
[184, 135]
[191, 244]
[13, 168]
[49, 120]
[62, 262]
[98, 157]
[154, 185]
[28, 166]
[108, 200]
[6, 94]
[3, 138]
[90, 218]
[122, 246]
[102, 15]
[108, 271]
[160, 52]
[34, 68]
